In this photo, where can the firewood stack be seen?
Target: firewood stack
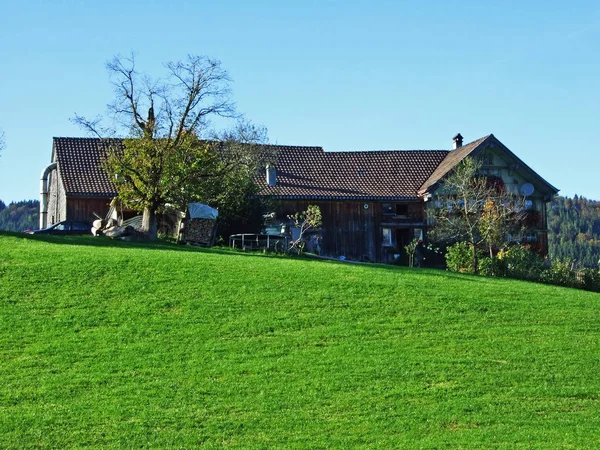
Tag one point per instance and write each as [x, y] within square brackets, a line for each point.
[199, 231]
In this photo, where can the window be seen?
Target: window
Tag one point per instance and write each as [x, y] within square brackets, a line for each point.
[402, 210]
[531, 237]
[388, 209]
[418, 234]
[489, 172]
[395, 209]
[386, 237]
[528, 205]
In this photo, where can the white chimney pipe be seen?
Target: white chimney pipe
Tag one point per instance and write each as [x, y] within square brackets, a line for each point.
[271, 175]
[44, 194]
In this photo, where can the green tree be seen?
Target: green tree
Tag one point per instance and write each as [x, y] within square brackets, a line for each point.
[234, 191]
[474, 210]
[491, 225]
[164, 160]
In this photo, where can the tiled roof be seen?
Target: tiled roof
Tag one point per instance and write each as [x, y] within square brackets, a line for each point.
[312, 173]
[302, 172]
[79, 163]
[451, 160]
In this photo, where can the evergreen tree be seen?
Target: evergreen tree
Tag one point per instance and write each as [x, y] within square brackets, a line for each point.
[574, 230]
[19, 216]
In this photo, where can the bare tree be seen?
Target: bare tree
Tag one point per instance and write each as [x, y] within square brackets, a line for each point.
[2, 141]
[474, 209]
[164, 159]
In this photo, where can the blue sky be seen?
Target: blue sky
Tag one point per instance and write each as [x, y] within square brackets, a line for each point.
[345, 75]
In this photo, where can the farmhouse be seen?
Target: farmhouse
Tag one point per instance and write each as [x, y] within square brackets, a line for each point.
[372, 202]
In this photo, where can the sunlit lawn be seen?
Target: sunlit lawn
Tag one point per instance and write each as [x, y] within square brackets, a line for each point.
[120, 345]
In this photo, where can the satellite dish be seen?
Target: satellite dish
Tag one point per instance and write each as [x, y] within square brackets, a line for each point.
[527, 189]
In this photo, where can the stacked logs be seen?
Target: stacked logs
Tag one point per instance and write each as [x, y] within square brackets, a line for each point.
[199, 231]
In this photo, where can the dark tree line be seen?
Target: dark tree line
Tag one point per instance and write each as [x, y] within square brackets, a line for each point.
[19, 216]
[574, 230]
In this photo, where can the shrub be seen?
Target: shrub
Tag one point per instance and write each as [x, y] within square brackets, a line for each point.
[590, 279]
[306, 221]
[459, 257]
[411, 251]
[521, 263]
[561, 273]
[492, 267]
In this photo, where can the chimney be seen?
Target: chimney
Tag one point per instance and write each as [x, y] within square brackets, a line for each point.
[457, 141]
[271, 175]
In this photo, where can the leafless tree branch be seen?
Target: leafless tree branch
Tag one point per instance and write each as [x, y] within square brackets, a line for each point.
[166, 118]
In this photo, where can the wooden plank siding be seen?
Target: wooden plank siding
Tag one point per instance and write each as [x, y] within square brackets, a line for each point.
[351, 230]
[83, 208]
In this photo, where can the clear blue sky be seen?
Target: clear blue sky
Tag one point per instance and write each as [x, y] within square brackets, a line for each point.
[345, 75]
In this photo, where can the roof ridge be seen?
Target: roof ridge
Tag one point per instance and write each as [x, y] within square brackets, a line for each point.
[354, 152]
[81, 138]
[293, 146]
[451, 160]
[476, 140]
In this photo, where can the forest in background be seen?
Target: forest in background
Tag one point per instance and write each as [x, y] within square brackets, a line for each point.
[573, 226]
[574, 230]
[19, 216]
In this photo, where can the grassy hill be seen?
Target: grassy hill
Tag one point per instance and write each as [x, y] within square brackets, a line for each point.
[122, 345]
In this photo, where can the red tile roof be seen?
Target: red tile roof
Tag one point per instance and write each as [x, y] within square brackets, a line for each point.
[312, 173]
[80, 167]
[302, 172]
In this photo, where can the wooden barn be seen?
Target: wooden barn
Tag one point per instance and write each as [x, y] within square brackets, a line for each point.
[74, 185]
[373, 203]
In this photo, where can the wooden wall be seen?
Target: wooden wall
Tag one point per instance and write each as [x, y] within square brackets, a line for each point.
[351, 229]
[348, 228]
[82, 208]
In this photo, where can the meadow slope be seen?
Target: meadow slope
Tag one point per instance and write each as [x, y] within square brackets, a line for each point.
[108, 344]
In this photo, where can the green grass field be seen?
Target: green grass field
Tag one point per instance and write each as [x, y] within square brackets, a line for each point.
[109, 344]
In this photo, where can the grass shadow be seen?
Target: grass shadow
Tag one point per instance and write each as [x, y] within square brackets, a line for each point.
[104, 242]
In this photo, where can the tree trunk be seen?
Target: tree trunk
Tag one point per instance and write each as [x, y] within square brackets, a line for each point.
[475, 259]
[149, 224]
